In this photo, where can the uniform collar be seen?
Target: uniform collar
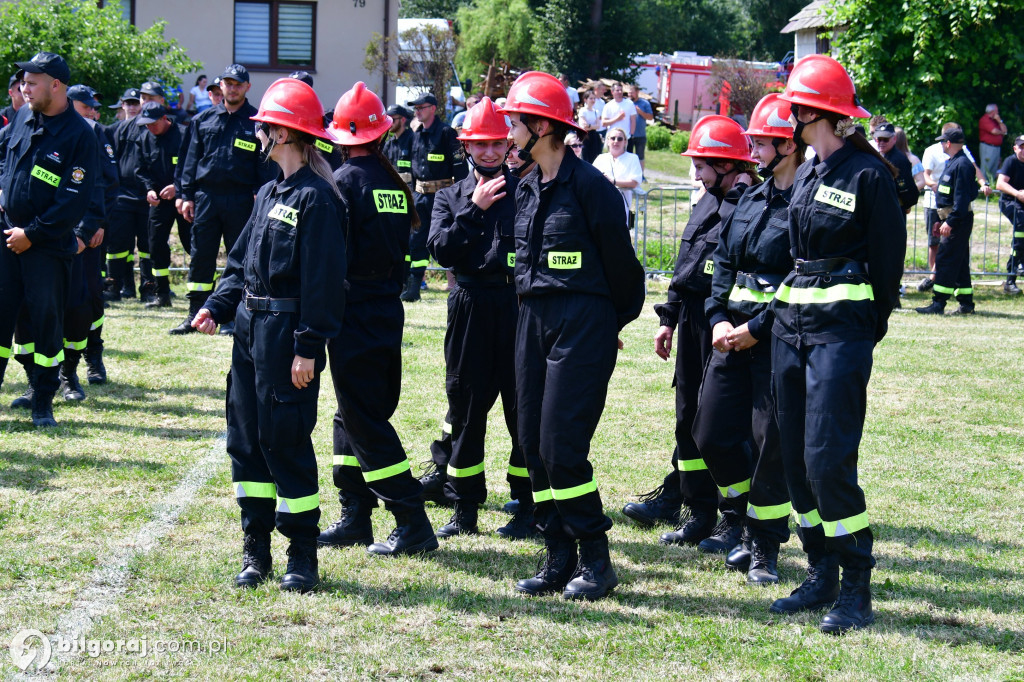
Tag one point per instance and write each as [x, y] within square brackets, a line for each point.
[434, 127]
[284, 185]
[823, 168]
[52, 124]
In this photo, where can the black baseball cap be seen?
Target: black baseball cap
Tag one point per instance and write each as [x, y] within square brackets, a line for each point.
[53, 65]
[425, 99]
[215, 83]
[151, 113]
[885, 130]
[152, 88]
[235, 72]
[131, 94]
[83, 94]
[14, 79]
[302, 76]
[954, 135]
[399, 110]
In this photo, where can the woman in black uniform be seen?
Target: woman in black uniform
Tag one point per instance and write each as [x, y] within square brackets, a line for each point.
[284, 288]
[366, 359]
[848, 240]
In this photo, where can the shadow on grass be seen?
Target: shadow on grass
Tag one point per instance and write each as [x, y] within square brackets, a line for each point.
[31, 471]
[123, 354]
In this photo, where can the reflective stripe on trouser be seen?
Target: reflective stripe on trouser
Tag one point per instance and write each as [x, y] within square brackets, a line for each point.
[736, 432]
[560, 403]
[269, 424]
[128, 230]
[479, 350]
[953, 266]
[419, 257]
[366, 366]
[219, 217]
[821, 398]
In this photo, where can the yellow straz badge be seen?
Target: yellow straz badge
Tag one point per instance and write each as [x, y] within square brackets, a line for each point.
[435, 157]
[511, 260]
[243, 144]
[325, 147]
[45, 175]
[837, 198]
[565, 260]
[174, 160]
[943, 189]
[389, 200]
[709, 267]
[286, 214]
[402, 163]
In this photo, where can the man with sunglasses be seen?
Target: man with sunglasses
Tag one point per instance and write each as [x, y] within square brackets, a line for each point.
[622, 168]
[906, 188]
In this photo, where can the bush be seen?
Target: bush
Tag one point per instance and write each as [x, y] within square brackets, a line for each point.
[658, 137]
[680, 140]
[660, 256]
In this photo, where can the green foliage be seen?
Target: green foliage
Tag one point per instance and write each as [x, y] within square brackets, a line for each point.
[660, 255]
[494, 31]
[926, 62]
[709, 27]
[680, 140]
[103, 50]
[658, 136]
[431, 9]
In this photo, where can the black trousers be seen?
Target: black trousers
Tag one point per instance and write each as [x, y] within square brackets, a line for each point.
[821, 399]
[184, 234]
[479, 353]
[161, 218]
[92, 263]
[566, 347]
[366, 366]
[219, 217]
[37, 282]
[128, 230]
[953, 266]
[273, 466]
[736, 410]
[692, 340]
[419, 257]
[1014, 212]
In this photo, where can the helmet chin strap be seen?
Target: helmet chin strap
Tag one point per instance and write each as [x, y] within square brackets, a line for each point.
[769, 170]
[800, 125]
[717, 187]
[486, 171]
[524, 152]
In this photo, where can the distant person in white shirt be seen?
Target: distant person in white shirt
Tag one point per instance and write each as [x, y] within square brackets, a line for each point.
[574, 95]
[619, 113]
[622, 168]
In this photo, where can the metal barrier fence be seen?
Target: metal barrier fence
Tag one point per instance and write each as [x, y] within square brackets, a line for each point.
[663, 210]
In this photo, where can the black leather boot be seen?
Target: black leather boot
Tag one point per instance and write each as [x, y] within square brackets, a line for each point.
[412, 289]
[96, 371]
[696, 527]
[818, 591]
[463, 521]
[24, 401]
[657, 506]
[935, 308]
[303, 573]
[764, 562]
[511, 507]
[853, 608]
[70, 387]
[724, 537]
[432, 481]
[162, 296]
[412, 535]
[738, 558]
[555, 570]
[521, 526]
[257, 563]
[42, 409]
[194, 306]
[353, 528]
[594, 577]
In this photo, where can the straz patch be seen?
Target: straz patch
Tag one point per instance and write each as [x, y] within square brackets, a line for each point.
[174, 160]
[77, 175]
[837, 198]
[110, 150]
[389, 201]
[511, 260]
[565, 260]
[286, 214]
[325, 147]
[245, 144]
[943, 189]
[709, 267]
[435, 157]
[46, 176]
[404, 163]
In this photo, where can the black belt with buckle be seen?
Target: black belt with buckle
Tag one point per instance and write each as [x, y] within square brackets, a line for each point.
[272, 305]
[496, 278]
[828, 266]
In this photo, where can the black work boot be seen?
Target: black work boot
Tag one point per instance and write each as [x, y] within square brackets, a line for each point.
[115, 275]
[935, 308]
[432, 481]
[724, 537]
[256, 560]
[96, 371]
[412, 289]
[657, 506]
[354, 526]
[412, 535]
[161, 297]
[24, 401]
[128, 280]
[818, 591]
[42, 409]
[521, 526]
[194, 306]
[555, 570]
[511, 507]
[738, 558]
[70, 387]
[696, 527]
[147, 291]
[853, 608]
[594, 577]
[463, 521]
[764, 562]
[303, 573]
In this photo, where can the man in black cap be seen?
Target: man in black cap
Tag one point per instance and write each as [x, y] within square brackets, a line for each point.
[302, 76]
[398, 148]
[222, 171]
[160, 145]
[14, 92]
[49, 163]
[956, 191]
[437, 162]
[216, 94]
[1010, 183]
[906, 188]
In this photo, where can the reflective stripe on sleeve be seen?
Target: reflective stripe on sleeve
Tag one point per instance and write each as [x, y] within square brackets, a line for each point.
[816, 295]
[466, 472]
[254, 489]
[847, 526]
[745, 295]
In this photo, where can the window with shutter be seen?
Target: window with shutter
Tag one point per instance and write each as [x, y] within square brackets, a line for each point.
[274, 34]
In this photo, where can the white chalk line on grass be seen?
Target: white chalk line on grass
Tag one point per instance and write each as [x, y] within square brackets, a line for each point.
[108, 582]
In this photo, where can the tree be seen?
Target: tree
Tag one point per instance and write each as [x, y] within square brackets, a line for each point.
[765, 19]
[103, 50]
[709, 27]
[431, 9]
[926, 62]
[746, 85]
[426, 60]
[491, 31]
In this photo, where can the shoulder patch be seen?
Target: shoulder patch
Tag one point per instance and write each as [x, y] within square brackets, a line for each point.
[110, 150]
[77, 175]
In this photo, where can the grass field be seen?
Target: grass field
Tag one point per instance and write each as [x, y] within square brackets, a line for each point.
[120, 525]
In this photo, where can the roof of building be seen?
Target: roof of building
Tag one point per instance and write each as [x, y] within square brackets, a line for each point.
[811, 16]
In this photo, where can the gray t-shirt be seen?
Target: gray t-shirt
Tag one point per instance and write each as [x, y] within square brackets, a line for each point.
[641, 124]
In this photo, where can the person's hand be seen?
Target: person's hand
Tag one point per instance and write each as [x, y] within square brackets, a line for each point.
[488, 191]
[204, 322]
[97, 238]
[746, 178]
[620, 344]
[741, 338]
[17, 240]
[151, 198]
[167, 192]
[720, 337]
[945, 230]
[986, 190]
[663, 342]
[188, 210]
[302, 371]
[81, 244]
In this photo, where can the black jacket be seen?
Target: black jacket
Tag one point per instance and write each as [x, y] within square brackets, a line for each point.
[957, 189]
[398, 151]
[906, 188]
[159, 157]
[105, 190]
[436, 153]
[49, 166]
[571, 236]
[125, 137]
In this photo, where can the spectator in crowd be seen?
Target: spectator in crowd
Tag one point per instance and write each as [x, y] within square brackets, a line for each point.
[619, 113]
[600, 90]
[589, 118]
[916, 167]
[461, 116]
[991, 131]
[644, 113]
[572, 141]
[620, 167]
[198, 97]
[885, 143]
[14, 92]
[216, 94]
[574, 95]
[1010, 181]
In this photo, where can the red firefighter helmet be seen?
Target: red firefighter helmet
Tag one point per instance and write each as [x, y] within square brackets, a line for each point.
[718, 137]
[484, 122]
[292, 104]
[540, 94]
[821, 82]
[359, 117]
[771, 118]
